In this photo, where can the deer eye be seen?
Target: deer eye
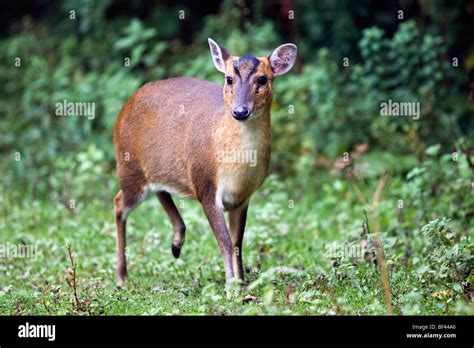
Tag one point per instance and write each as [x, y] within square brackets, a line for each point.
[262, 80]
[229, 80]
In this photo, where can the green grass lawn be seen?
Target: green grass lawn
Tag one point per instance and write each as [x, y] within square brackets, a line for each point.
[292, 264]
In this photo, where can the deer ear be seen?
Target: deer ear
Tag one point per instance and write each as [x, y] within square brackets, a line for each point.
[219, 55]
[283, 58]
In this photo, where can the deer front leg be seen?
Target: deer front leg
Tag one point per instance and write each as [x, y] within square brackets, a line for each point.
[216, 219]
[237, 220]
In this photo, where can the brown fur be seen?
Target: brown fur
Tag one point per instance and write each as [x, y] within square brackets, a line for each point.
[168, 138]
[188, 132]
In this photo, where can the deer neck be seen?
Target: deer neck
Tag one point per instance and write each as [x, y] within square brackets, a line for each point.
[253, 134]
[243, 159]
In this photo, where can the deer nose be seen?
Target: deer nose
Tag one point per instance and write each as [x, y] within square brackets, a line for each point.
[240, 112]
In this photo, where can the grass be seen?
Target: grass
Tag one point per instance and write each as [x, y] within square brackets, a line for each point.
[296, 232]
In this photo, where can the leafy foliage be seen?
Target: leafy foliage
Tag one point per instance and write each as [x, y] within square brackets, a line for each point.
[329, 139]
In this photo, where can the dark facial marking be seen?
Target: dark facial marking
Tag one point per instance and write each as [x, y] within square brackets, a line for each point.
[245, 66]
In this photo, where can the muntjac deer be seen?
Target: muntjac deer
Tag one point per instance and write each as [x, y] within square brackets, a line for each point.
[189, 137]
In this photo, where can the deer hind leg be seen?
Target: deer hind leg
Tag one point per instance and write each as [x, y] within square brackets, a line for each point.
[179, 228]
[121, 222]
[125, 201]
